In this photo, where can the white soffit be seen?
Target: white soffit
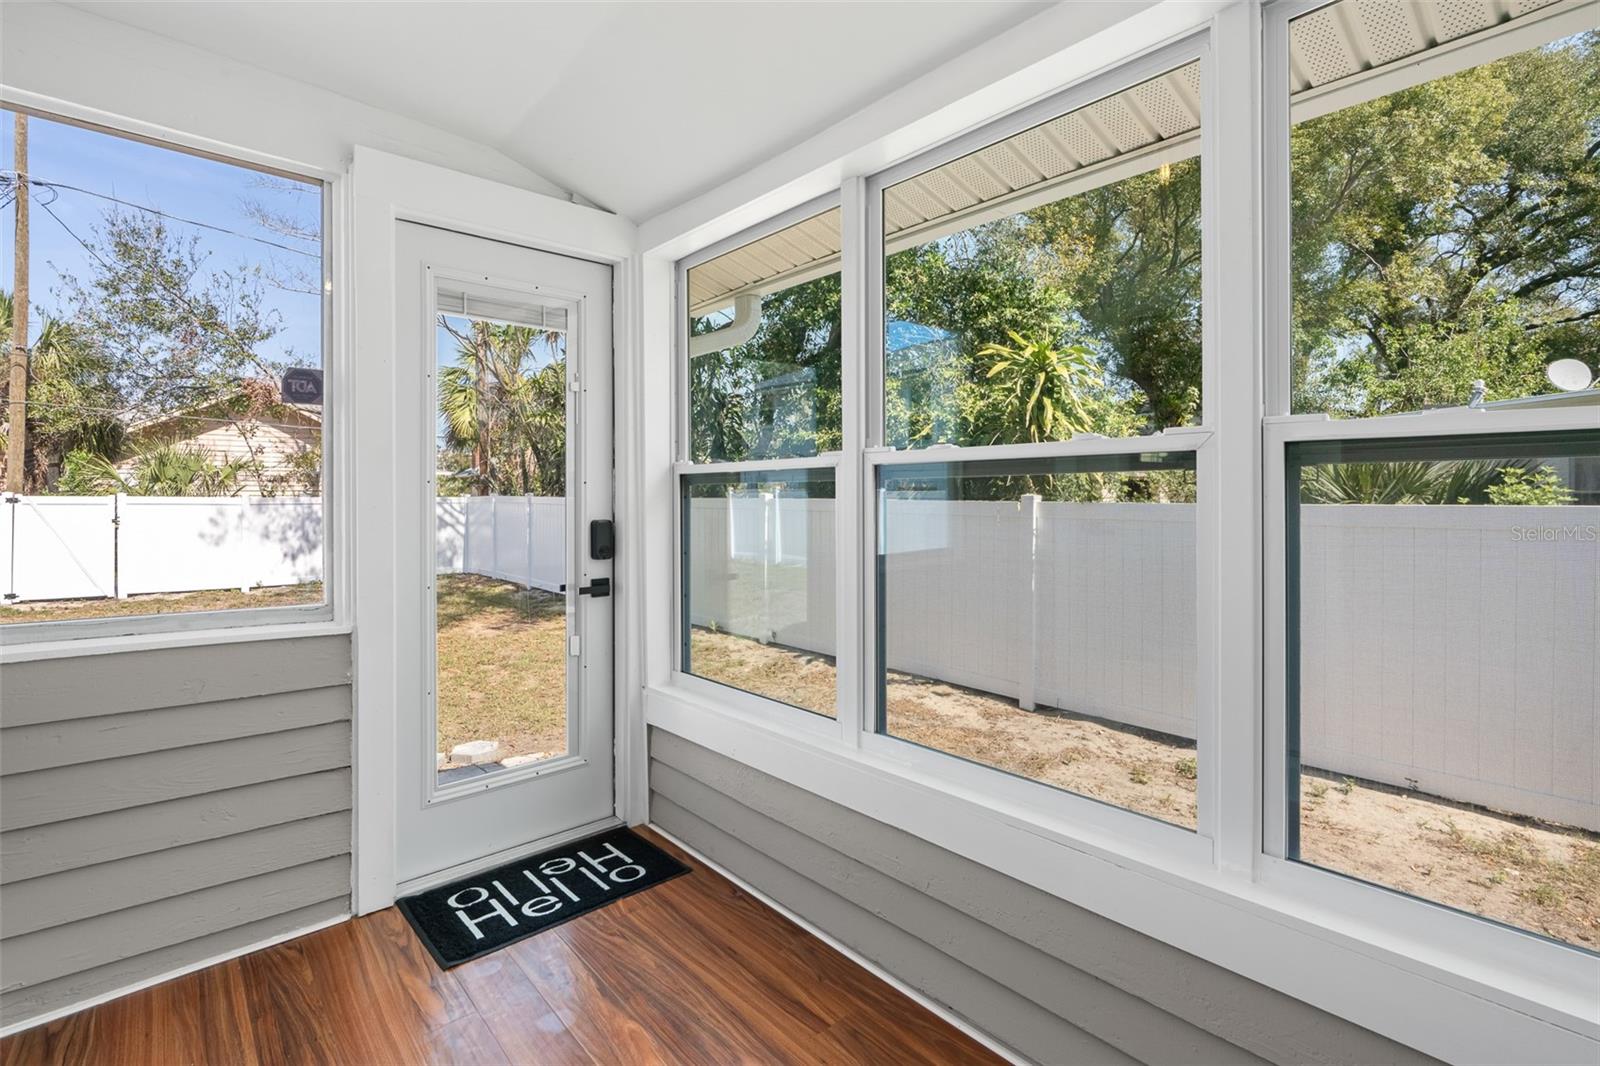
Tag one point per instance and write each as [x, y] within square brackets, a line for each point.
[808, 249]
[1127, 133]
[1352, 36]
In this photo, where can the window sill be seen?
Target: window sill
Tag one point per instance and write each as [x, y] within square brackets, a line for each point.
[319, 623]
[1429, 994]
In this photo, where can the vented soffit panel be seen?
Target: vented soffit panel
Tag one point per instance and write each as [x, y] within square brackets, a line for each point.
[1340, 54]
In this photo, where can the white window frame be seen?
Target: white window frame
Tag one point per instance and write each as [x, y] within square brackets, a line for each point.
[23, 641]
[797, 719]
[1450, 984]
[1142, 831]
[1516, 958]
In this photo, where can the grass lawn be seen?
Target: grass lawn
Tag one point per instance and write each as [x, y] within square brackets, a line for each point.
[502, 665]
[161, 603]
[1518, 870]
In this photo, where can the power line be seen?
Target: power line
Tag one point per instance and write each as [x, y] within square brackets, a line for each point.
[13, 177]
[159, 418]
[178, 296]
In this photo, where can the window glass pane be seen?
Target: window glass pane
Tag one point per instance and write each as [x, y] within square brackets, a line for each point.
[1443, 218]
[500, 543]
[1049, 284]
[758, 583]
[1442, 727]
[764, 346]
[168, 456]
[1039, 617]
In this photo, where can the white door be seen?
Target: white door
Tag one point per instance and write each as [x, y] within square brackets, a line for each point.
[505, 738]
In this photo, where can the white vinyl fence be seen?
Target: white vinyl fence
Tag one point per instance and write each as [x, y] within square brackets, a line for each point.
[514, 538]
[72, 547]
[1451, 649]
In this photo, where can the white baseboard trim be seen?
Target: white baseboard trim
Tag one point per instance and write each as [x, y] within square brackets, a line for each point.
[162, 978]
[850, 953]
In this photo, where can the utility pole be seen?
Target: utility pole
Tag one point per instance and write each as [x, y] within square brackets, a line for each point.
[17, 434]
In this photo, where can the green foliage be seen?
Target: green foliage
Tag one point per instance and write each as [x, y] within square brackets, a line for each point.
[504, 416]
[1418, 482]
[1530, 488]
[1032, 392]
[71, 398]
[162, 469]
[1445, 233]
[778, 394]
[177, 334]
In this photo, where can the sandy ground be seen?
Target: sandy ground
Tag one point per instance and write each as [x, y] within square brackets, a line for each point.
[1526, 873]
[160, 603]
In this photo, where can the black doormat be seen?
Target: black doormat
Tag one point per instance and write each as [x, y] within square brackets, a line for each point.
[485, 912]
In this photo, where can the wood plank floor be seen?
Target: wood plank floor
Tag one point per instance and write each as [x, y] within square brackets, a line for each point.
[690, 971]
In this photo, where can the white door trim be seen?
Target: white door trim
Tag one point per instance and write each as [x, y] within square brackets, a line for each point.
[386, 189]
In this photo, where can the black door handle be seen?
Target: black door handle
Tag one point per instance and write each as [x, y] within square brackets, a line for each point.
[599, 589]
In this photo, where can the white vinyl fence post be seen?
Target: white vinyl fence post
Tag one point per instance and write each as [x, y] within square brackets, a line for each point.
[527, 525]
[1031, 514]
[118, 507]
[777, 524]
[767, 510]
[244, 544]
[494, 536]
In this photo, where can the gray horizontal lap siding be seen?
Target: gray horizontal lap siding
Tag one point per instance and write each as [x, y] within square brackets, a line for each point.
[1052, 981]
[158, 808]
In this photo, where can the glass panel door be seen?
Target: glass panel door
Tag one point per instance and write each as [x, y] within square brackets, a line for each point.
[503, 694]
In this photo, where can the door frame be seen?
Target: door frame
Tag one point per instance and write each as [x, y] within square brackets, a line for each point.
[385, 190]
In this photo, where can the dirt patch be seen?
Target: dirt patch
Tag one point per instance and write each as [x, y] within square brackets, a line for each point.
[502, 671]
[799, 678]
[1526, 873]
[161, 603]
[1517, 870]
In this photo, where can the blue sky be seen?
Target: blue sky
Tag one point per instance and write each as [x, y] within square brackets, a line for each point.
[174, 182]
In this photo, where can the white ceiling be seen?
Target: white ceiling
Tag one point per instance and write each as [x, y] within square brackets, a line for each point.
[634, 106]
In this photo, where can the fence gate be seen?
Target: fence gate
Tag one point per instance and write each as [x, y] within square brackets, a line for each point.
[59, 547]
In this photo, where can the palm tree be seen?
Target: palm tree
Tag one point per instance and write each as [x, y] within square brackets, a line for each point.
[1410, 482]
[163, 469]
[1041, 389]
[508, 413]
[71, 400]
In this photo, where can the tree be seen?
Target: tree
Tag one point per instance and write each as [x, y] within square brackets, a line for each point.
[503, 411]
[165, 469]
[778, 394]
[1127, 257]
[1033, 392]
[71, 399]
[1445, 234]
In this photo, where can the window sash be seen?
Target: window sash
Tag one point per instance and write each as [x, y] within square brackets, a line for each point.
[334, 430]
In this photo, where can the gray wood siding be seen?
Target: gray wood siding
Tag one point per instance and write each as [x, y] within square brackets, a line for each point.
[1057, 983]
[158, 808]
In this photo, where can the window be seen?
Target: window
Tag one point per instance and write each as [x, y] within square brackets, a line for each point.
[164, 429]
[1441, 671]
[1439, 715]
[1049, 284]
[758, 584]
[1037, 598]
[763, 427]
[764, 346]
[1038, 616]
[1442, 245]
